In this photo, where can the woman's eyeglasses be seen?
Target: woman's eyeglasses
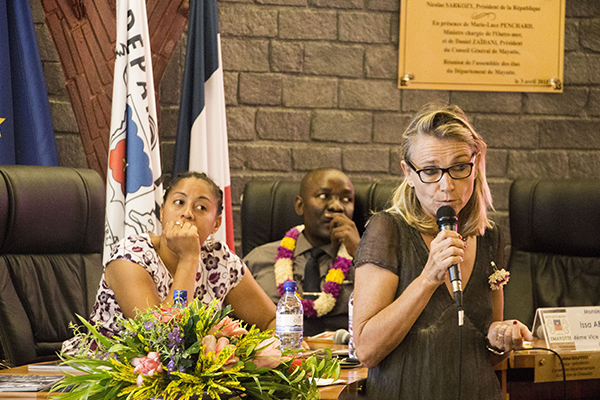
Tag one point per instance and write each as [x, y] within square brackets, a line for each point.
[433, 175]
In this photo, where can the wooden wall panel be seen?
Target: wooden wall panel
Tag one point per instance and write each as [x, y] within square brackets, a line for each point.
[84, 32]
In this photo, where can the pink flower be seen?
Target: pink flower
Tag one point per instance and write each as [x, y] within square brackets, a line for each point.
[283, 252]
[146, 366]
[333, 288]
[270, 356]
[211, 344]
[214, 346]
[166, 315]
[344, 264]
[309, 309]
[227, 327]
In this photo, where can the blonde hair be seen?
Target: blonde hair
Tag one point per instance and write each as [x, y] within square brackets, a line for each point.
[446, 122]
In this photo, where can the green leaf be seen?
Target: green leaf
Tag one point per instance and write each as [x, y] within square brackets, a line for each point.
[250, 349]
[118, 348]
[106, 342]
[321, 365]
[193, 349]
[249, 366]
[300, 377]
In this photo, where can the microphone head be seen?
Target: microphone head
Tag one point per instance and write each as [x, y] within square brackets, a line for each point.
[539, 332]
[341, 336]
[446, 218]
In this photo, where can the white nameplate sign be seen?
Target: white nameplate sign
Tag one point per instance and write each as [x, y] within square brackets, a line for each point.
[569, 328]
[586, 327]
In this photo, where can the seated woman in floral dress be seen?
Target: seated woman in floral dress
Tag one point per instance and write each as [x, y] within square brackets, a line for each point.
[143, 271]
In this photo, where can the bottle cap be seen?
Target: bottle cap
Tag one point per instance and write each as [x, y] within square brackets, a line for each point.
[180, 298]
[289, 286]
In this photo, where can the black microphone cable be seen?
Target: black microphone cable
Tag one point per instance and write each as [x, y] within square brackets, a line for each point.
[459, 359]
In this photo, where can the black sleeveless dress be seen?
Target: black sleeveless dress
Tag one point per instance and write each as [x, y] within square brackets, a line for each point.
[425, 364]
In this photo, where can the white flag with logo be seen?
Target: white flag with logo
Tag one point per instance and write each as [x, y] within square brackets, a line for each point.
[133, 180]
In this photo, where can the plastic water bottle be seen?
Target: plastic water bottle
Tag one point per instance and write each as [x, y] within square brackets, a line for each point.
[290, 317]
[351, 347]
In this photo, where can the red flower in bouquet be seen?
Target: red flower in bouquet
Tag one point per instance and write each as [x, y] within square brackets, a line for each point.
[296, 363]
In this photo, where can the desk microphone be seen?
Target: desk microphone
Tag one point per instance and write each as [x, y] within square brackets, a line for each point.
[341, 336]
[447, 220]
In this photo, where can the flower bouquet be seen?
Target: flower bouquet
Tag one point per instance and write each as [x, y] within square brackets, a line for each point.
[190, 352]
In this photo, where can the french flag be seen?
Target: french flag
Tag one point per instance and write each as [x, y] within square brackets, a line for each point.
[201, 143]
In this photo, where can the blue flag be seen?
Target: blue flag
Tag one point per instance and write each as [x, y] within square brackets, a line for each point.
[26, 132]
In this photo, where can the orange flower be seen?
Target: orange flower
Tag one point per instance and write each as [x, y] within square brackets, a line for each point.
[166, 315]
[227, 327]
[147, 365]
[216, 347]
[270, 356]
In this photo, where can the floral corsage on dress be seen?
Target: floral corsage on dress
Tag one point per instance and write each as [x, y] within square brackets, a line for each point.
[498, 278]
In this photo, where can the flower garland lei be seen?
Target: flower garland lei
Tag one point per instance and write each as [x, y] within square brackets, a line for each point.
[284, 271]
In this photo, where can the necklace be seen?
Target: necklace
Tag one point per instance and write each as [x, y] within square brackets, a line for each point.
[284, 271]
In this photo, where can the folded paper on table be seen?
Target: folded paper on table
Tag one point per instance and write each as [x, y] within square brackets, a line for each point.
[56, 366]
[27, 383]
[326, 336]
[327, 382]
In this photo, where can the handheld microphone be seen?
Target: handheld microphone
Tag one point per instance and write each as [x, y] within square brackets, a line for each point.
[447, 220]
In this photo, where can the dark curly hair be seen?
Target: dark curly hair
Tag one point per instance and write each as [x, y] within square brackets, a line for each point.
[217, 192]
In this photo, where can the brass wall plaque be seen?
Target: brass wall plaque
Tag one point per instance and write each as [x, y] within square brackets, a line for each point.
[491, 45]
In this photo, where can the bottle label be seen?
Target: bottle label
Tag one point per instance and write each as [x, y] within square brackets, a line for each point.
[289, 323]
[180, 298]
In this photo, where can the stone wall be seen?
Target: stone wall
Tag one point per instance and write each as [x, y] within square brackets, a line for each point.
[312, 83]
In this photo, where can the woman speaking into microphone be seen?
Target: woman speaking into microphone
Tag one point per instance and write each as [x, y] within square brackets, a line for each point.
[406, 324]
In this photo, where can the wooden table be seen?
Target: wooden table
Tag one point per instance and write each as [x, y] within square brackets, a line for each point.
[350, 375]
[516, 376]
